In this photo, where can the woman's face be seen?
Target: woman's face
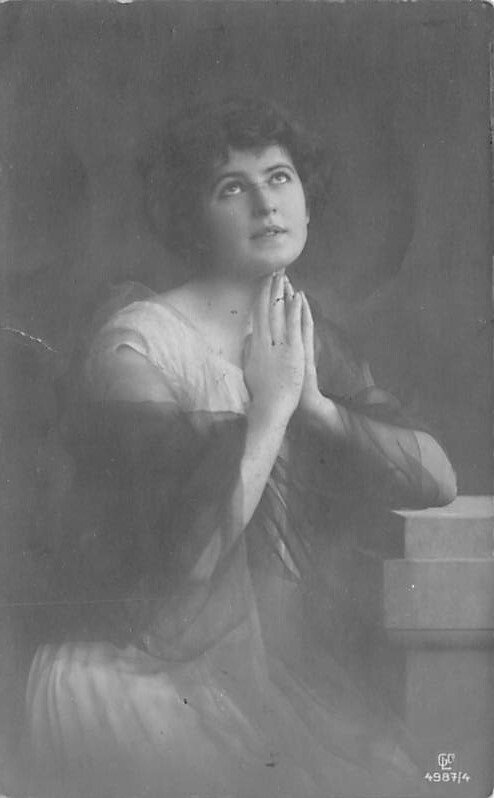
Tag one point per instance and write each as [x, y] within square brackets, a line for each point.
[254, 213]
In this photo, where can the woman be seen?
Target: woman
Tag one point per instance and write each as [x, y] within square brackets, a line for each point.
[216, 439]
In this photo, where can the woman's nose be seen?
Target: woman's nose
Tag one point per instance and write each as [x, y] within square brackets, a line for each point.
[262, 199]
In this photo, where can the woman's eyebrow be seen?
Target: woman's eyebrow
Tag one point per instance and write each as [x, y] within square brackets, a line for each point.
[227, 176]
[281, 165]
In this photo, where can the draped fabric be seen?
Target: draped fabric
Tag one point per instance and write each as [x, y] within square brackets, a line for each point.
[182, 661]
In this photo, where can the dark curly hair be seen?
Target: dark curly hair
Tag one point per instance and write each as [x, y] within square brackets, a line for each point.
[199, 138]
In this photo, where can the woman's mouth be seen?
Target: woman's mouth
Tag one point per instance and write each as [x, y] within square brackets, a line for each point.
[271, 231]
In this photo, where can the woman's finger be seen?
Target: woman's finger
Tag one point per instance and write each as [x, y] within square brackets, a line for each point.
[289, 295]
[288, 292]
[293, 319]
[260, 314]
[277, 309]
[289, 288]
[308, 332]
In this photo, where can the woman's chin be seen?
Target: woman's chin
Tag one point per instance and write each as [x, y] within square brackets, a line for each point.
[275, 266]
[256, 270]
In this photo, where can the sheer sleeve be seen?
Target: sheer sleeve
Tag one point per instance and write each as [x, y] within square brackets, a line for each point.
[148, 556]
[385, 454]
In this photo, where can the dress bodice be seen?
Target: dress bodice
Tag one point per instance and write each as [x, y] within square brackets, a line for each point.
[198, 378]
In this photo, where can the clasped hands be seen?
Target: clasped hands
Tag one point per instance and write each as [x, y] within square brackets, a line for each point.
[279, 366]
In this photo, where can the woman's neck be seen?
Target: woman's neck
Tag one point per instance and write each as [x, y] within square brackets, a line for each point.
[225, 300]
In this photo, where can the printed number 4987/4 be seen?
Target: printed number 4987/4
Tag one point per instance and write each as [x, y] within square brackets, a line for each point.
[445, 776]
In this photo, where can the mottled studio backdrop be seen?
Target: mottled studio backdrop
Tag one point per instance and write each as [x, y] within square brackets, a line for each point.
[399, 91]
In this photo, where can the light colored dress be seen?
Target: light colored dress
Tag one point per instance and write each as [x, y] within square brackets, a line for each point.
[215, 690]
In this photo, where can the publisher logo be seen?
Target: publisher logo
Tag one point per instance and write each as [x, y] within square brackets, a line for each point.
[447, 771]
[445, 761]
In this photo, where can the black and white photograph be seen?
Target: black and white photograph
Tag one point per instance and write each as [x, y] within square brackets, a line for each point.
[246, 384]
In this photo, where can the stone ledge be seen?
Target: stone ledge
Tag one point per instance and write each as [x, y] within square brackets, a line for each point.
[435, 594]
[464, 528]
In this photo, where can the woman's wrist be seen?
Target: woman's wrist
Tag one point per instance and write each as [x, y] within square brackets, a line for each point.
[323, 414]
[268, 414]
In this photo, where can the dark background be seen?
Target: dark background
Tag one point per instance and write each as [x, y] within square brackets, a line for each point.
[400, 92]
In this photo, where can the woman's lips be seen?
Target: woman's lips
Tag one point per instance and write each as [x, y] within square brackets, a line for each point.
[269, 232]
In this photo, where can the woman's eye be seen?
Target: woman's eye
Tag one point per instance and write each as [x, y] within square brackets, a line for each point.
[231, 189]
[278, 178]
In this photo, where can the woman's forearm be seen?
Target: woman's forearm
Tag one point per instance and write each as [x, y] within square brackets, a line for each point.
[406, 466]
[265, 433]
[264, 437]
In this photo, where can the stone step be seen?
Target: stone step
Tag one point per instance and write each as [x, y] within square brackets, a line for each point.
[435, 594]
[464, 528]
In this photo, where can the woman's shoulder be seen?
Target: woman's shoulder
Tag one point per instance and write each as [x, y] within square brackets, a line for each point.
[129, 304]
[152, 321]
[181, 298]
[148, 327]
